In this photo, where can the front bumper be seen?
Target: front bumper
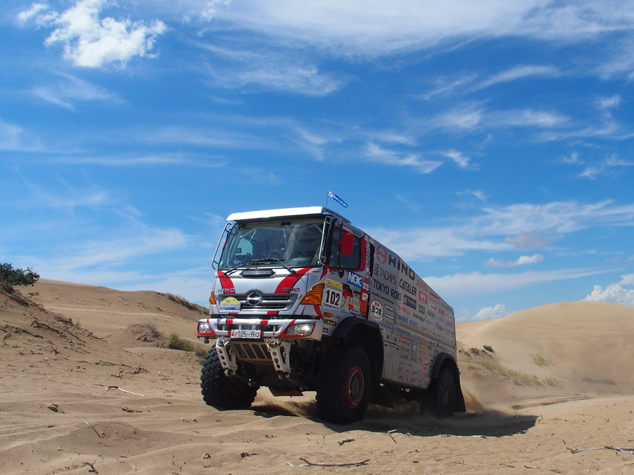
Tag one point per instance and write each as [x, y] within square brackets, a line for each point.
[267, 328]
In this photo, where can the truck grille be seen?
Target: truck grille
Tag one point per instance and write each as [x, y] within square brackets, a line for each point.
[251, 352]
[269, 301]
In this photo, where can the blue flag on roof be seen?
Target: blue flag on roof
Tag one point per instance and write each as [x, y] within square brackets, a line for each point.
[337, 199]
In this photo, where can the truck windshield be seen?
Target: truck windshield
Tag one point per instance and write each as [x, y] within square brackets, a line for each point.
[295, 243]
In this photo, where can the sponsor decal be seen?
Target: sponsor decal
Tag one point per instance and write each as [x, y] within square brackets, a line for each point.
[333, 294]
[387, 290]
[228, 290]
[433, 307]
[381, 254]
[384, 274]
[413, 323]
[403, 319]
[389, 312]
[442, 311]
[399, 265]
[407, 287]
[403, 310]
[421, 346]
[421, 284]
[376, 311]
[421, 309]
[422, 296]
[430, 314]
[353, 304]
[434, 297]
[409, 301]
[230, 304]
[330, 322]
[288, 290]
[355, 279]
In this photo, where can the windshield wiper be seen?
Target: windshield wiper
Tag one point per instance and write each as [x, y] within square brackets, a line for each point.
[266, 260]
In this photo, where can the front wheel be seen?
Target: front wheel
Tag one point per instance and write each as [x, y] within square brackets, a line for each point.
[344, 383]
[222, 392]
[442, 394]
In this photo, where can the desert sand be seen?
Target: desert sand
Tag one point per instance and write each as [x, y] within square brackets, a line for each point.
[87, 385]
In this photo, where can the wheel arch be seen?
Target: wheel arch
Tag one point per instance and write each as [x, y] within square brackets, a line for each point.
[366, 334]
[445, 360]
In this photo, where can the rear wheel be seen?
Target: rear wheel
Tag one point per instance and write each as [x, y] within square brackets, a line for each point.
[344, 385]
[220, 391]
[442, 394]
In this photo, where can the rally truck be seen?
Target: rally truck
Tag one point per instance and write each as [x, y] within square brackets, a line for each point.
[302, 300]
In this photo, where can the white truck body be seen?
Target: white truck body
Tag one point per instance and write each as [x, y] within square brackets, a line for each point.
[292, 283]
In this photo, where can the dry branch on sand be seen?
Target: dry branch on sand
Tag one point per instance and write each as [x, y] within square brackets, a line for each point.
[605, 447]
[333, 464]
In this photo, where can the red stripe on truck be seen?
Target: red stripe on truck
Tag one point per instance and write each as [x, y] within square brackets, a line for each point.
[289, 281]
[226, 283]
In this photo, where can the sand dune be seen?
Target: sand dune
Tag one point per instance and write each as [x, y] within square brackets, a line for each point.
[87, 385]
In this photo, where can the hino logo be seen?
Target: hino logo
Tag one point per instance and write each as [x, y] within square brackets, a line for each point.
[254, 298]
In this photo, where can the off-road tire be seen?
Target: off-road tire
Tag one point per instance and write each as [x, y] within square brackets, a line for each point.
[344, 384]
[222, 392]
[442, 394]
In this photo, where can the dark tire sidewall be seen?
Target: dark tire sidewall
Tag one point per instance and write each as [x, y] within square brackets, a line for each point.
[344, 383]
[444, 394]
[218, 390]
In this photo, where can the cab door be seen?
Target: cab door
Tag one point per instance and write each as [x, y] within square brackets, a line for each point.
[347, 282]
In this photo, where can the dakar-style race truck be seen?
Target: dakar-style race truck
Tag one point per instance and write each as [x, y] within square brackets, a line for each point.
[304, 301]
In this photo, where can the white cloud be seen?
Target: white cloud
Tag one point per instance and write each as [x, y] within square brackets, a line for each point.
[372, 28]
[145, 160]
[263, 67]
[520, 72]
[193, 289]
[472, 116]
[627, 279]
[609, 102]
[531, 239]
[571, 159]
[133, 243]
[613, 293]
[211, 8]
[463, 118]
[522, 261]
[90, 42]
[457, 286]
[13, 138]
[607, 168]
[35, 9]
[488, 313]
[407, 202]
[457, 157]
[376, 153]
[521, 226]
[478, 194]
[72, 89]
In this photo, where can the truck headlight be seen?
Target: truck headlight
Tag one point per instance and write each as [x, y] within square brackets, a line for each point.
[204, 327]
[300, 329]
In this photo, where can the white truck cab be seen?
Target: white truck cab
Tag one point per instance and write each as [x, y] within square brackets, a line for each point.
[302, 300]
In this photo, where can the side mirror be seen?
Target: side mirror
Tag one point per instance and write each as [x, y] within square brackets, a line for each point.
[346, 245]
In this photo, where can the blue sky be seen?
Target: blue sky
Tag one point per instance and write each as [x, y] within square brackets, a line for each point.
[488, 142]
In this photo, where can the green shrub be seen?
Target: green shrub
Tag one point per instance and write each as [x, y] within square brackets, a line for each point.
[10, 277]
[177, 343]
[488, 348]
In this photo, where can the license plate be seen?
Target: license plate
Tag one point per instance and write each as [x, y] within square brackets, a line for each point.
[246, 334]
